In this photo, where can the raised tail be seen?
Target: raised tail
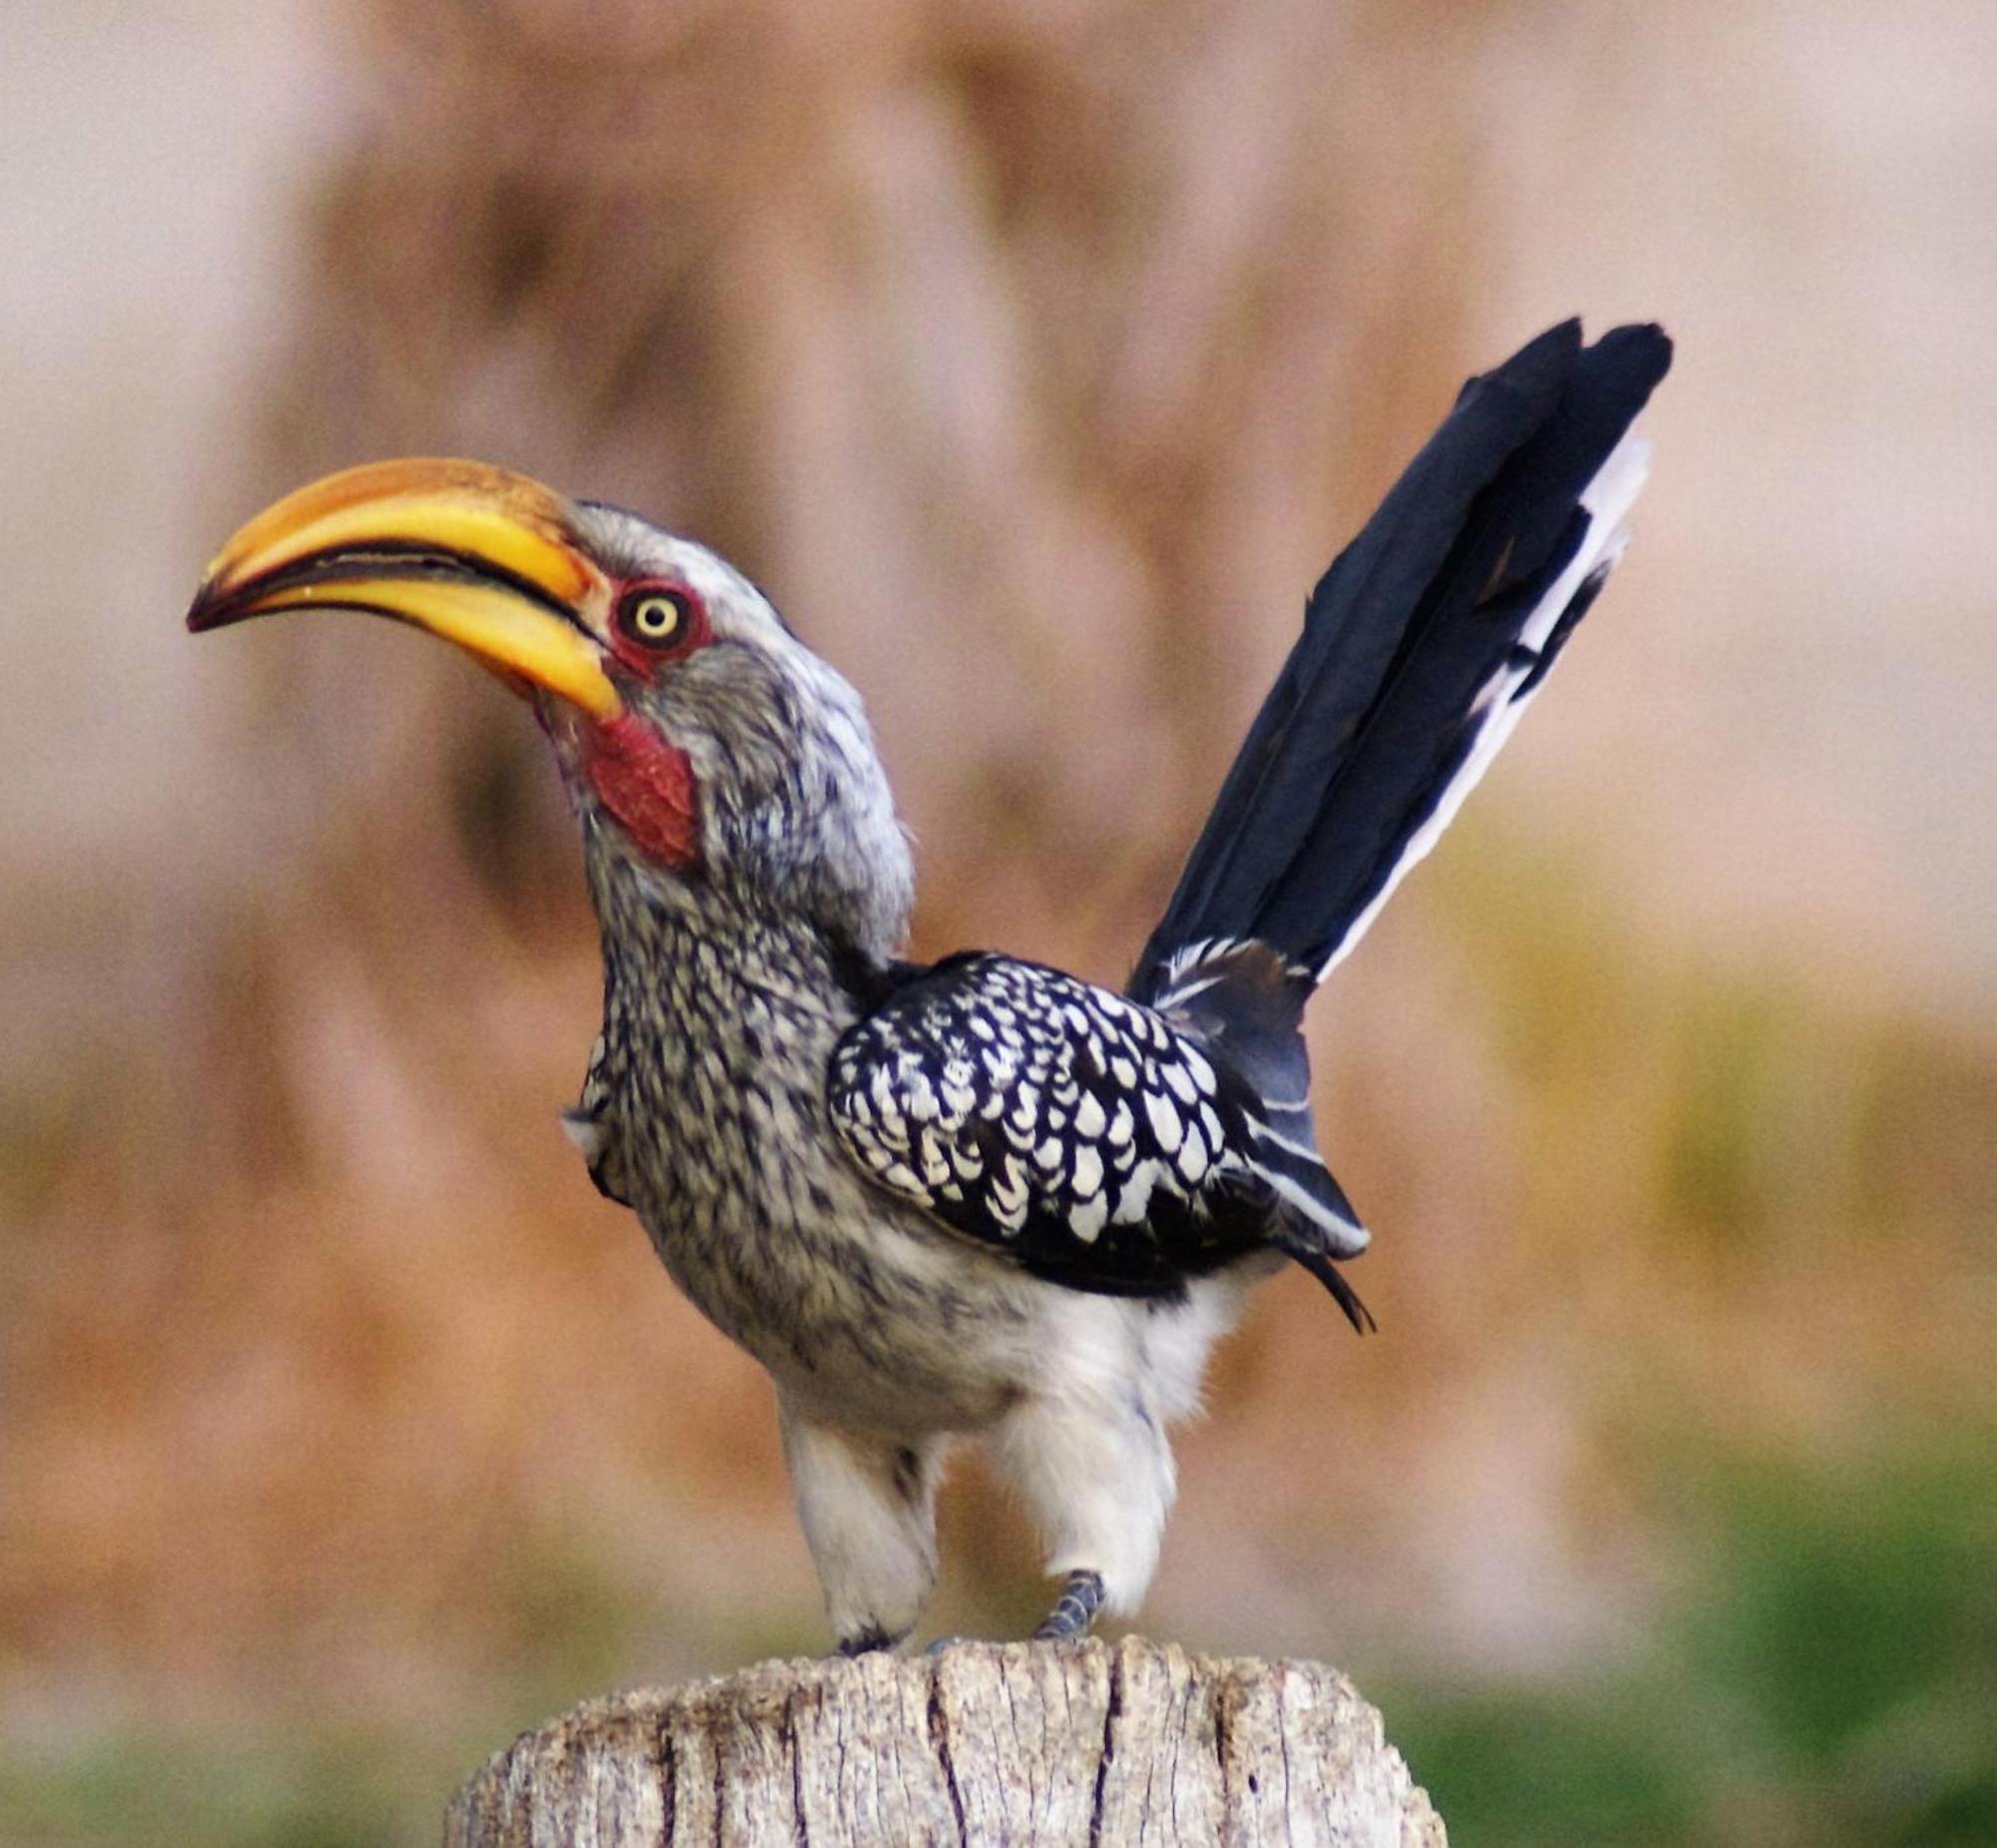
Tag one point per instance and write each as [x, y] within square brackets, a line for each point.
[1420, 647]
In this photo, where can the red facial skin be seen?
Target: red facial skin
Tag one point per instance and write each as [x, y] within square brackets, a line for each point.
[646, 783]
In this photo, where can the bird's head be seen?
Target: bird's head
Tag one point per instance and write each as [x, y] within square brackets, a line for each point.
[702, 742]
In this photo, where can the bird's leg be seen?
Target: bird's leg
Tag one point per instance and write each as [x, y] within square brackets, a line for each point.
[1076, 1610]
[868, 1507]
[1097, 1475]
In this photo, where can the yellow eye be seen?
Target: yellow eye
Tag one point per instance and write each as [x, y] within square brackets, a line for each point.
[658, 618]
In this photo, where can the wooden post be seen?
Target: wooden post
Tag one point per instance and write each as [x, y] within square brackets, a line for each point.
[1017, 1743]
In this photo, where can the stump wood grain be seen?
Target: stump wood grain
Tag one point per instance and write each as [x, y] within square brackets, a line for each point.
[1026, 1744]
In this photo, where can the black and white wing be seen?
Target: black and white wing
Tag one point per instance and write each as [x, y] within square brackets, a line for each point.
[1077, 1131]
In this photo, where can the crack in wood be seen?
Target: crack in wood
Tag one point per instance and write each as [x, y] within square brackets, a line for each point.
[938, 1730]
[1113, 1709]
[788, 1736]
[720, 1788]
[665, 1757]
[1224, 1747]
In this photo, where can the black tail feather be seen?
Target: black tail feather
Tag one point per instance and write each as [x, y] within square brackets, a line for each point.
[1376, 719]
[1333, 1279]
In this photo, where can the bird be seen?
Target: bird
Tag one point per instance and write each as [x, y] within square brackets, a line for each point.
[978, 1198]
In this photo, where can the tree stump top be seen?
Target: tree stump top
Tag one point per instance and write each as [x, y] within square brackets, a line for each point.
[1017, 1743]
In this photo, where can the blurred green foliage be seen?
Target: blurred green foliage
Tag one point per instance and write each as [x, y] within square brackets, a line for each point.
[1827, 1677]
[239, 1791]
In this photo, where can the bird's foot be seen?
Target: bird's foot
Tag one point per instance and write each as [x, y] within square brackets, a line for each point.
[943, 1645]
[1074, 1610]
[866, 1642]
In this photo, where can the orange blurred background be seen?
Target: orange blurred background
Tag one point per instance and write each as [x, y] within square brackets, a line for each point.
[1037, 358]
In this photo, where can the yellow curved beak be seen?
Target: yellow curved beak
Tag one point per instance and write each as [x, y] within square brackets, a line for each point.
[479, 555]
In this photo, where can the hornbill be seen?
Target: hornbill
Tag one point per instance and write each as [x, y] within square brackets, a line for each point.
[978, 1196]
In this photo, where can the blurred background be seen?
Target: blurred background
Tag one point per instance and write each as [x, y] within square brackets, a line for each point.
[1036, 356]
